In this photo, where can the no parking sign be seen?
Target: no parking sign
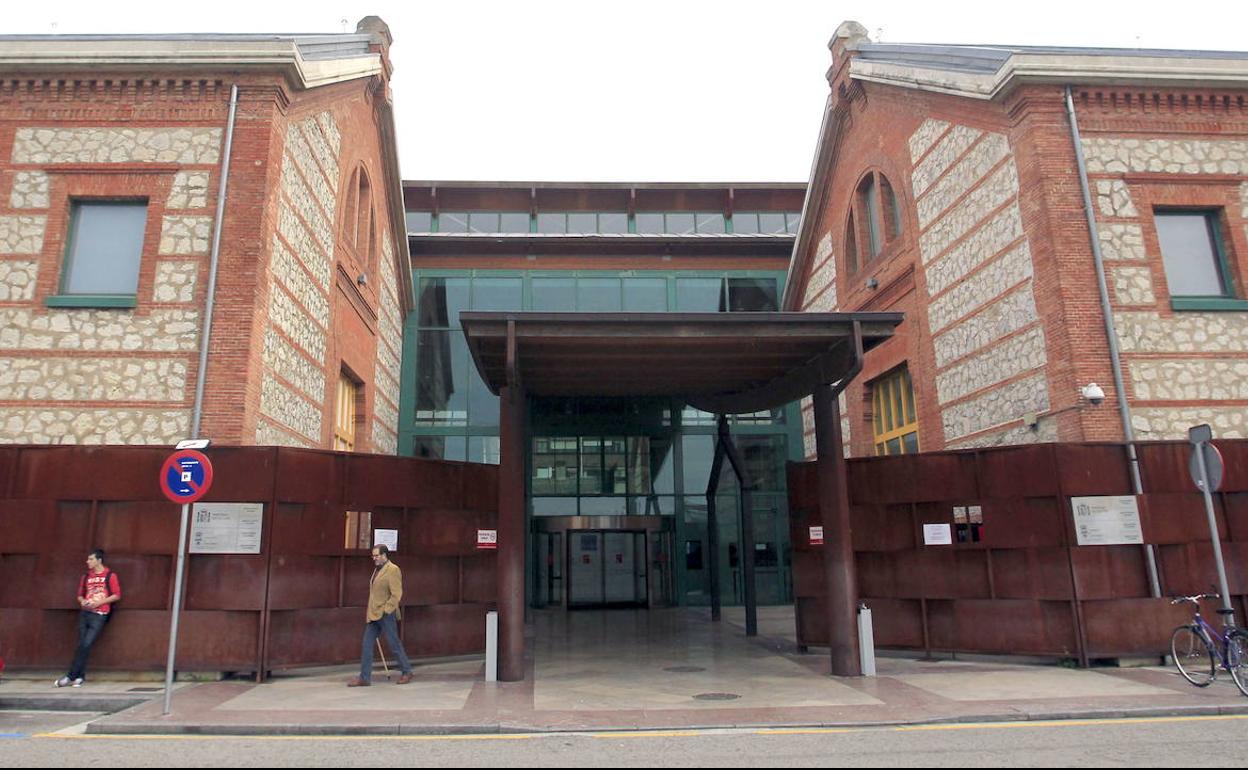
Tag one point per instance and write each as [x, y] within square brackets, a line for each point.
[186, 476]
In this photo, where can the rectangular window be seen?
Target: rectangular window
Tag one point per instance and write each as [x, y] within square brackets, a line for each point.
[896, 426]
[105, 248]
[452, 222]
[344, 421]
[1191, 249]
[649, 223]
[513, 222]
[419, 221]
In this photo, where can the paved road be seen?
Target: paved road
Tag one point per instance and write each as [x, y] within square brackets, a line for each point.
[32, 739]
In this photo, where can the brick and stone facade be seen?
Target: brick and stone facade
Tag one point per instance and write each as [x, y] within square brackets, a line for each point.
[290, 317]
[993, 264]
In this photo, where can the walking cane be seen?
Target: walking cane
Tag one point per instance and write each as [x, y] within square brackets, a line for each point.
[383, 660]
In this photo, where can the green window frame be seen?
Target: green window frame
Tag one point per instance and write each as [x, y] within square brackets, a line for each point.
[103, 254]
[1194, 253]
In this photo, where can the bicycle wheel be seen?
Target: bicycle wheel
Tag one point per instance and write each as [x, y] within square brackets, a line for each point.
[1237, 658]
[1193, 656]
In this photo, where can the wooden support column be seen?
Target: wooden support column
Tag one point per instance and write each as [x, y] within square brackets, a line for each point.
[511, 532]
[838, 546]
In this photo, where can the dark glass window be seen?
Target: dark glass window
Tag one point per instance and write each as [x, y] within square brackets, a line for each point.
[710, 223]
[581, 222]
[1190, 249]
[442, 362]
[745, 222]
[679, 223]
[793, 222]
[483, 222]
[497, 294]
[645, 295]
[598, 295]
[419, 221]
[483, 407]
[699, 295]
[556, 465]
[439, 447]
[613, 222]
[765, 458]
[554, 294]
[650, 223]
[105, 248]
[513, 222]
[453, 222]
[772, 223]
[752, 294]
[440, 300]
[552, 223]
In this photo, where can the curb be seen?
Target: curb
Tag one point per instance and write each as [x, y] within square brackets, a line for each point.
[255, 730]
[106, 703]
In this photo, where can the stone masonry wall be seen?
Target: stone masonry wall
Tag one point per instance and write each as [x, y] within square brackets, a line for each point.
[987, 337]
[821, 298]
[386, 378]
[1182, 367]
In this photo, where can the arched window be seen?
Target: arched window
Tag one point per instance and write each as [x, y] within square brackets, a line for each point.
[360, 222]
[874, 221]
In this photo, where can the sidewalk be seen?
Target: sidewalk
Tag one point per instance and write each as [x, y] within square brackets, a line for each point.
[627, 670]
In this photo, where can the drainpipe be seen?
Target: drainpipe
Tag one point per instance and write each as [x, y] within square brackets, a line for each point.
[1115, 358]
[198, 412]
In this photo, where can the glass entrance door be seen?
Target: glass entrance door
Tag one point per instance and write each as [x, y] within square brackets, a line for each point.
[607, 568]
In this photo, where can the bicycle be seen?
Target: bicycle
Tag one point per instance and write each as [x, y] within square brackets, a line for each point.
[1191, 645]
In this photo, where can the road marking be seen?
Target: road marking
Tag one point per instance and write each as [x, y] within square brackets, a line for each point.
[1067, 723]
[653, 734]
[13, 735]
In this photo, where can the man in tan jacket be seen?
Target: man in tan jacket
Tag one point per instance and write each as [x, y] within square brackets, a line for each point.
[384, 593]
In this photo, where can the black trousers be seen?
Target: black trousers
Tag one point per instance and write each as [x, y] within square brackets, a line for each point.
[90, 624]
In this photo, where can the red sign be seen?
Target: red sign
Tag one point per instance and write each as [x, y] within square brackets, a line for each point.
[186, 476]
[487, 539]
[816, 535]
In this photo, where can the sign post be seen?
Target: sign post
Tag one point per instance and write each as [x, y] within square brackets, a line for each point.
[1207, 470]
[184, 478]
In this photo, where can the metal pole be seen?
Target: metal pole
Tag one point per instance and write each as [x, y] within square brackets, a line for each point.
[1111, 333]
[201, 376]
[177, 605]
[1213, 533]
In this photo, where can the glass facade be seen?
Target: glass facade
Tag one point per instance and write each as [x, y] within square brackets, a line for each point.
[599, 222]
[608, 457]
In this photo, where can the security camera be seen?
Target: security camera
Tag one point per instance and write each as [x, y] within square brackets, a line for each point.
[1093, 393]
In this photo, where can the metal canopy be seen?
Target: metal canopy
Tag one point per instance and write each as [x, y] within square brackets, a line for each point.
[718, 362]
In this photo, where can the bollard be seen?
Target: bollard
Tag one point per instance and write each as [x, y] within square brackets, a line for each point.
[866, 640]
[491, 646]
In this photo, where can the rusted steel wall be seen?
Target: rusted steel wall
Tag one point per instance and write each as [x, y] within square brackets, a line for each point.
[300, 601]
[1025, 587]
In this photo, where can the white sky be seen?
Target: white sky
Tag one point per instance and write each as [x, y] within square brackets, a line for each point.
[678, 90]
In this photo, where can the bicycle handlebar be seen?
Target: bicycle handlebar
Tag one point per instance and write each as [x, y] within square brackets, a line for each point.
[1194, 599]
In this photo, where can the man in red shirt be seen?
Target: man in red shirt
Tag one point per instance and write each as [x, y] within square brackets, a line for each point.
[97, 590]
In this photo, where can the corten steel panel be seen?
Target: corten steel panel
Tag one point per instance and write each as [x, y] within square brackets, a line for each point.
[1172, 518]
[299, 582]
[1190, 568]
[941, 476]
[389, 517]
[800, 522]
[1236, 506]
[357, 572]
[1026, 471]
[215, 641]
[146, 580]
[22, 525]
[1093, 469]
[1110, 572]
[397, 481]
[877, 574]
[242, 474]
[480, 487]
[70, 530]
[1235, 458]
[1003, 626]
[225, 581]
[1164, 466]
[55, 582]
[308, 476]
[1129, 627]
[430, 580]
[946, 573]
[812, 621]
[896, 622]
[808, 576]
[21, 639]
[137, 527]
[15, 572]
[803, 485]
[448, 629]
[109, 473]
[308, 528]
[1034, 522]
[8, 470]
[480, 578]
[882, 527]
[450, 532]
[1032, 573]
[315, 637]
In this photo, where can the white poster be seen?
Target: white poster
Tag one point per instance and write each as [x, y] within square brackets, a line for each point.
[1107, 520]
[387, 537]
[226, 527]
[937, 534]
